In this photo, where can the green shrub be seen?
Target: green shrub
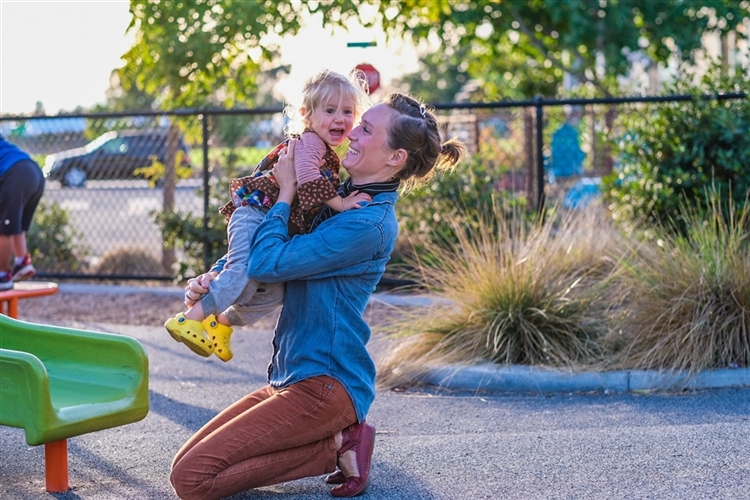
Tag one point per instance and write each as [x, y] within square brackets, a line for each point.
[454, 201]
[674, 153]
[186, 231]
[53, 242]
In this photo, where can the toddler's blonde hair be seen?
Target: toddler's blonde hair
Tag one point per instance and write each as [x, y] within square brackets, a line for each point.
[320, 89]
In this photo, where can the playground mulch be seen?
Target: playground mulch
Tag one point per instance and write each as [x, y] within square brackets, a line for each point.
[146, 309]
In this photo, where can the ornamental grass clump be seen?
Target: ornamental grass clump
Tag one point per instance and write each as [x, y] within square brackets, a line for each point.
[510, 293]
[687, 303]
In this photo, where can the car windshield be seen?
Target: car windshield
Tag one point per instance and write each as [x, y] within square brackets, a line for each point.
[99, 142]
[115, 146]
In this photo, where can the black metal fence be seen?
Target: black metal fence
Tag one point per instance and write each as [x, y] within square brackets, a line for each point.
[110, 174]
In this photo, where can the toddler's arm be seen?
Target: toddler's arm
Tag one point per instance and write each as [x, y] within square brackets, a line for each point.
[313, 188]
[352, 201]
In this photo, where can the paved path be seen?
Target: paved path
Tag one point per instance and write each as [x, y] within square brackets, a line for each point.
[430, 445]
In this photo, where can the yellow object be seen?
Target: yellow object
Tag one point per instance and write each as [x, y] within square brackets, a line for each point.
[220, 335]
[190, 333]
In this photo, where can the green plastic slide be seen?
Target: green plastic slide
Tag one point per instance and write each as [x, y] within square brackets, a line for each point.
[57, 382]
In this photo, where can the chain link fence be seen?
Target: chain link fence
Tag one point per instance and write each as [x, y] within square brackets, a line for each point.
[111, 178]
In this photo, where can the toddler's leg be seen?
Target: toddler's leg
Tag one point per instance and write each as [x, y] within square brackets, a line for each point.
[233, 281]
[266, 298]
[196, 312]
[199, 328]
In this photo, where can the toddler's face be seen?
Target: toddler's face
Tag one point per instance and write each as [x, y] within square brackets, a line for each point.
[333, 120]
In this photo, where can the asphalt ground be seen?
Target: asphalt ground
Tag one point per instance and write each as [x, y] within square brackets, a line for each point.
[430, 443]
[490, 436]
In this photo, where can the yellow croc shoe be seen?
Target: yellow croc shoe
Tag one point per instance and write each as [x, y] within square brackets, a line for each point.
[190, 333]
[220, 335]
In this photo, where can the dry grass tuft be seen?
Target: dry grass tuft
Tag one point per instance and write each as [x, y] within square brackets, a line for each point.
[129, 261]
[687, 302]
[520, 294]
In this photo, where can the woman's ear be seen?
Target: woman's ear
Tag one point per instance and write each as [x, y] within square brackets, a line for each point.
[398, 159]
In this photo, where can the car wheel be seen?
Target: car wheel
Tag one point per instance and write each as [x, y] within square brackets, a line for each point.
[74, 177]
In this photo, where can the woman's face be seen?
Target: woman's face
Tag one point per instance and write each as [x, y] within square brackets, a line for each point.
[367, 159]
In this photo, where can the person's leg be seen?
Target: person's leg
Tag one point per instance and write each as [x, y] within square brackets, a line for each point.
[21, 188]
[19, 244]
[204, 327]
[265, 299]
[233, 280]
[6, 252]
[269, 437]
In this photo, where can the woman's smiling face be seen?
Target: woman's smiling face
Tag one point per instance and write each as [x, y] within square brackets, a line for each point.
[368, 155]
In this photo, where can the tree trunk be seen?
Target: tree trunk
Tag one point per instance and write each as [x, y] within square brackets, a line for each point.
[170, 181]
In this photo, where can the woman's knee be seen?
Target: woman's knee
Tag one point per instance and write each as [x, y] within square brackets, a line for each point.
[186, 484]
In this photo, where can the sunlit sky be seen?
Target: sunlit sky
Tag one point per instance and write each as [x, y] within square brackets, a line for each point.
[61, 52]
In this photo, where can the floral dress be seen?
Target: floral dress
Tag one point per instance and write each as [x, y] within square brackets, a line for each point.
[261, 189]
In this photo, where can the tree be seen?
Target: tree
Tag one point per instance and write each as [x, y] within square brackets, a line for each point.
[527, 46]
[188, 54]
[683, 158]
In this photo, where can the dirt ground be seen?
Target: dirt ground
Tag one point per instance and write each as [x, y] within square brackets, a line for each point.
[131, 309]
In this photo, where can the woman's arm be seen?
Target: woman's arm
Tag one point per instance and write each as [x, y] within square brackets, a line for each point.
[347, 239]
[333, 249]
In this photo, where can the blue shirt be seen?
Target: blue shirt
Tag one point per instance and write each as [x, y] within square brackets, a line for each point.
[10, 154]
[330, 275]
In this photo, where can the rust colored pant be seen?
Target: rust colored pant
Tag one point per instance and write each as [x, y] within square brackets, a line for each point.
[268, 437]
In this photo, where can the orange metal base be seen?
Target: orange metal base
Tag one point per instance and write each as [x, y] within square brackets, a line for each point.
[24, 290]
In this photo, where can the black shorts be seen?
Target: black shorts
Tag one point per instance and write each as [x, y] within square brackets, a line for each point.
[21, 188]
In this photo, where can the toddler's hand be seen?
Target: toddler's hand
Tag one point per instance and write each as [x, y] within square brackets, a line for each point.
[354, 200]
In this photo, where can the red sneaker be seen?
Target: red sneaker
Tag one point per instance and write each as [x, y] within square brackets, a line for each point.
[24, 270]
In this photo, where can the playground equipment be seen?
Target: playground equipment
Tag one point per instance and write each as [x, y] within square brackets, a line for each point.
[567, 156]
[24, 290]
[59, 382]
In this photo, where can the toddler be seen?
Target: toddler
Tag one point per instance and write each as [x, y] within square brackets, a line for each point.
[331, 103]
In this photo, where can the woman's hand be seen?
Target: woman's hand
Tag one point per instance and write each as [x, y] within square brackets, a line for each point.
[197, 287]
[284, 173]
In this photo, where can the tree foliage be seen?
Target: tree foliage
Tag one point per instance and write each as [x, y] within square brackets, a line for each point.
[525, 48]
[199, 52]
[189, 54]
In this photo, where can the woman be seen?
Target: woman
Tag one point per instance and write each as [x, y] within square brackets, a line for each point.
[311, 417]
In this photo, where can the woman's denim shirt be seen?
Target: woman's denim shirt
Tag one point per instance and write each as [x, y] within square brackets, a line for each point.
[330, 275]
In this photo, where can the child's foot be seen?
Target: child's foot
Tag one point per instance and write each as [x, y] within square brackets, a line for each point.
[190, 333]
[6, 280]
[220, 335]
[23, 270]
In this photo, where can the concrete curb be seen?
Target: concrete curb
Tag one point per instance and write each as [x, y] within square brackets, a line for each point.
[515, 378]
[512, 378]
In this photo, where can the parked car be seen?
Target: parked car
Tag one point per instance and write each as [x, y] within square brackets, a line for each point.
[114, 155]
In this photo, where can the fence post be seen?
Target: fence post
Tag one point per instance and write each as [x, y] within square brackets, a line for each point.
[539, 153]
[206, 241]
